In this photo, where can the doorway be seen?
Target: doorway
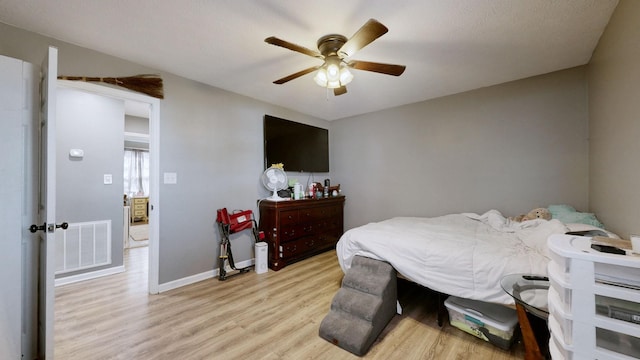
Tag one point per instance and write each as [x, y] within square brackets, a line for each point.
[153, 105]
[136, 175]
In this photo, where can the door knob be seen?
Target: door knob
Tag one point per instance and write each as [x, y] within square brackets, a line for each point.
[51, 228]
[33, 228]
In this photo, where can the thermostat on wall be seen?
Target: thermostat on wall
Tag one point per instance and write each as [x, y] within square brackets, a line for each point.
[76, 153]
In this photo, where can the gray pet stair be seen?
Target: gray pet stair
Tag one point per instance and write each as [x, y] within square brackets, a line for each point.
[363, 306]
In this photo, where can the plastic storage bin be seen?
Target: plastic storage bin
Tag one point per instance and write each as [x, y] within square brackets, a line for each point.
[491, 322]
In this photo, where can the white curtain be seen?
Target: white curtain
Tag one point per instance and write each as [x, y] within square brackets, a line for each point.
[136, 172]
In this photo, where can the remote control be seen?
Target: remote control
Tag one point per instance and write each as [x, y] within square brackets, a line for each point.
[535, 277]
[608, 249]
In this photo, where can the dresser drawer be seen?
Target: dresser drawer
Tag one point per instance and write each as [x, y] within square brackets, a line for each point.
[318, 213]
[290, 232]
[295, 248]
[308, 245]
[289, 217]
[330, 238]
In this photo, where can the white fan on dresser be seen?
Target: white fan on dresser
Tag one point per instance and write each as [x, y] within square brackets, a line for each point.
[274, 179]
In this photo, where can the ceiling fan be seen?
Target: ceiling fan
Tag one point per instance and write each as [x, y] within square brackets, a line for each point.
[334, 49]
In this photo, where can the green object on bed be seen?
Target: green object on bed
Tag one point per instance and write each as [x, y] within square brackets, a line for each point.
[567, 214]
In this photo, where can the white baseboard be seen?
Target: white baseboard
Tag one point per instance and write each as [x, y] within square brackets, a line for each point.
[162, 287]
[89, 275]
[199, 277]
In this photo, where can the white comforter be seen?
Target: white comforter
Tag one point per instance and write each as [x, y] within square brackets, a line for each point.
[464, 255]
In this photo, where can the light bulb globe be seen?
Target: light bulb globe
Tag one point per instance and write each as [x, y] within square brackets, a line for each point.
[321, 77]
[345, 76]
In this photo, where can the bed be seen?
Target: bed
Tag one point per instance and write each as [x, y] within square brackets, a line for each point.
[464, 255]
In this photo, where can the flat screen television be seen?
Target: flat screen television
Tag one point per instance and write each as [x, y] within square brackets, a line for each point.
[300, 147]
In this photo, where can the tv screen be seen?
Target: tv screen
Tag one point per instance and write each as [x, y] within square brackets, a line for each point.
[299, 147]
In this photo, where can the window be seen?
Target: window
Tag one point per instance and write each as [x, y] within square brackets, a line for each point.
[136, 172]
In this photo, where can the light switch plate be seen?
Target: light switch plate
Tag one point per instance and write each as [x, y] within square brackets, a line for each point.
[170, 178]
[108, 179]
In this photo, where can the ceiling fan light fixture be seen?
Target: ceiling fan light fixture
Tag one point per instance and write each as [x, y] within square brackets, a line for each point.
[334, 49]
[345, 76]
[321, 77]
[333, 72]
[333, 76]
[333, 84]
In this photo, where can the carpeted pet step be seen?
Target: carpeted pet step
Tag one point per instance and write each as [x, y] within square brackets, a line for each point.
[363, 306]
[348, 332]
[367, 281]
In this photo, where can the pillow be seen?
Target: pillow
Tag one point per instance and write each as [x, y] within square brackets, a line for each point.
[556, 210]
[568, 214]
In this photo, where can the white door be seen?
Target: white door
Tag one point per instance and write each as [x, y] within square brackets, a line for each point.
[30, 241]
[12, 191]
[19, 169]
[47, 206]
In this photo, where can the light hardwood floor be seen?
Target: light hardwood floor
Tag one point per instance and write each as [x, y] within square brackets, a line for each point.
[275, 315]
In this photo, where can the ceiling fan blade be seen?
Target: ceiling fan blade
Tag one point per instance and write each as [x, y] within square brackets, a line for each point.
[339, 91]
[296, 75]
[370, 31]
[389, 69]
[291, 46]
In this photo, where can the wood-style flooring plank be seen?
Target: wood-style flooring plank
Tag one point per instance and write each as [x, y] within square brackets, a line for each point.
[269, 316]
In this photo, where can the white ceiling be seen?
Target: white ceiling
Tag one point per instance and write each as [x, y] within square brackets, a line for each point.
[448, 46]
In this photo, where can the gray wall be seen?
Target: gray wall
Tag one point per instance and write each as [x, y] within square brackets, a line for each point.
[211, 138]
[511, 147]
[94, 124]
[136, 124]
[614, 108]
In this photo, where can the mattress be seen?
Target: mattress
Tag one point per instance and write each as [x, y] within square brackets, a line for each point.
[464, 255]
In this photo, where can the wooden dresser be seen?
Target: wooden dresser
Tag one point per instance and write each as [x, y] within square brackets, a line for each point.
[139, 210]
[297, 229]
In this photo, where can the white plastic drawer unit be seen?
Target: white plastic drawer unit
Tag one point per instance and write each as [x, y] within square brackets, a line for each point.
[594, 301]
